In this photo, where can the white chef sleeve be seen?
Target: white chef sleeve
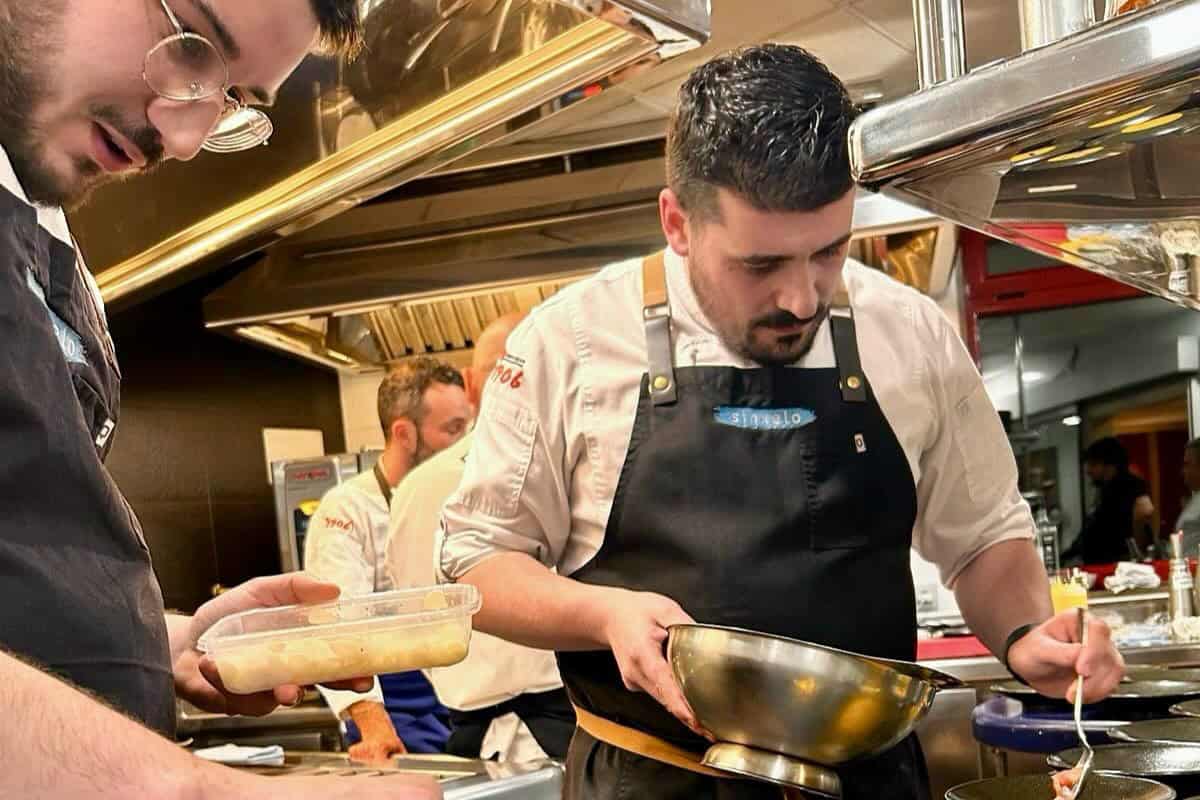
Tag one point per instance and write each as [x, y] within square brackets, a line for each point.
[335, 550]
[967, 495]
[513, 497]
[336, 547]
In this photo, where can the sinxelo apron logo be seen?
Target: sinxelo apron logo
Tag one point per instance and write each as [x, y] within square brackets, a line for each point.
[763, 419]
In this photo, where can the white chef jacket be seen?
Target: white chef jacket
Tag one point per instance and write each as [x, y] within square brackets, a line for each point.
[550, 446]
[345, 545]
[494, 670]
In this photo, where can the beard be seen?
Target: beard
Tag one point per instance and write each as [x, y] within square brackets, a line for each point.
[422, 452]
[28, 41]
[29, 47]
[754, 340]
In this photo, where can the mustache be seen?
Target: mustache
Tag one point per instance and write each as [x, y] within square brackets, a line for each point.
[786, 319]
[143, 135]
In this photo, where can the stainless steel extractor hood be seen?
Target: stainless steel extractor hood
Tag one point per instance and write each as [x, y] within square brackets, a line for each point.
[437, 80]
[425, 269]
[1086, 150]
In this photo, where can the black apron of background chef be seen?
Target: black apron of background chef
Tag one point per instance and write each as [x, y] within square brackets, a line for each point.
[776, 499]
[77, 592]
[548, 716]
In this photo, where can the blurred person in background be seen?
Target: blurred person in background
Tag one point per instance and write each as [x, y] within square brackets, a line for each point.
[506, 701]
[1189, 519]
[423, 409]
[1120, 527]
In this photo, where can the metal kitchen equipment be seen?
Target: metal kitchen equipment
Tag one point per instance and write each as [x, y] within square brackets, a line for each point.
[1085, 150]
[1177, 730]
[477, 72]
[786, 711]
[299, 486]
[1087, 754]
[1189, 708]
[1175, 765]
[1038, 787]
[1137, 690]
[460, 779]
[1047, 21]
[1179, 582]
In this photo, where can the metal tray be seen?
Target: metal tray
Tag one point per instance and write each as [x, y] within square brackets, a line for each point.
[1177, 730]
[1160, 689]
[1038, 787]
[1147, 673]
[1139, 759]
[1189, 708]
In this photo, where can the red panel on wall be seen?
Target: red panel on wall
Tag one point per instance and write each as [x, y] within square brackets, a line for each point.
[1041, 286]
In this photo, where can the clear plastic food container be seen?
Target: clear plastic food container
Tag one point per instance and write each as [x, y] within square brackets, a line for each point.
[352, 637]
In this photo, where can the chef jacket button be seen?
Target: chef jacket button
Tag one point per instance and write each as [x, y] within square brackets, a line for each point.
[853, 382]
[661, 382]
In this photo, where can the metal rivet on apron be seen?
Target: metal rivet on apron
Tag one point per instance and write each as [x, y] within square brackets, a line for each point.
[661, 382]
[853, 382]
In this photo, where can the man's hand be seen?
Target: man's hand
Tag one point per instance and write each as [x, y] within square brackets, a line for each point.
[196, 677]
[377, 751]
[636, 630]
[1050, 657]
[379, 738]
[1064, 782]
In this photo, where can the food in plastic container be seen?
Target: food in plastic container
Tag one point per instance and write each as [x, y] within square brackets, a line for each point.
[353, 637]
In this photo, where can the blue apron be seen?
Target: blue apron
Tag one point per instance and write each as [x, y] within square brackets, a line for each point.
[421, 722]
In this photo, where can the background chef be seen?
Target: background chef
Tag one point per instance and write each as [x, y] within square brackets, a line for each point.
[423, 409]
[506, 701]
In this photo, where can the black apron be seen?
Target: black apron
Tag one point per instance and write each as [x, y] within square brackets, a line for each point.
[548, 715]
[776, 499]
[78, 595]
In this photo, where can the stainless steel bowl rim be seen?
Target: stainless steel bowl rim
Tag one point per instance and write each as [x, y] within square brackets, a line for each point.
[940, 680]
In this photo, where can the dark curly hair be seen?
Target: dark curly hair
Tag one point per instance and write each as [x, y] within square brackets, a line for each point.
[767, 122]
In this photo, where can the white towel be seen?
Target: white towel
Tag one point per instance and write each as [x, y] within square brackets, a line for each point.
[240, 756]
[1132, 576]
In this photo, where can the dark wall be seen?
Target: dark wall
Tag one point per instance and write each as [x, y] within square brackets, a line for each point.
[188, 451]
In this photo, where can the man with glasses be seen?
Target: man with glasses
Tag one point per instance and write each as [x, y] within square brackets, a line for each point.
[89, 664]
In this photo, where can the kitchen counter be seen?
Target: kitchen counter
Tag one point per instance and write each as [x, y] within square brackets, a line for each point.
[309, 726]
[988, 669]
[460, 778]
[946, 734]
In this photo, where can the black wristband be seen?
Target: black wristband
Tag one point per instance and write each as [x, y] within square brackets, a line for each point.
[1013, 638]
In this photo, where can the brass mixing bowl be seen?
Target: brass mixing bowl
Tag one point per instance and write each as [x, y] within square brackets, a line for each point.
[802, 700]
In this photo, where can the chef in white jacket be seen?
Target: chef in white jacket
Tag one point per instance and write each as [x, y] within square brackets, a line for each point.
[506, 701]
[423, 409]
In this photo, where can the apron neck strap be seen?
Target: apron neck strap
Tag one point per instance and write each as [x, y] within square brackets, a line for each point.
[656, 314]
[381, 479]
[845, 347]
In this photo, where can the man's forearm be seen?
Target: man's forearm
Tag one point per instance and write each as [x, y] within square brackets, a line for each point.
[373, 721]
[60, 743]
[1003, 588]
[525, 602]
